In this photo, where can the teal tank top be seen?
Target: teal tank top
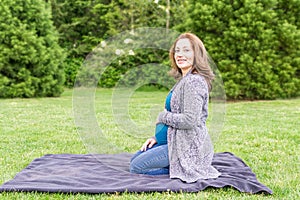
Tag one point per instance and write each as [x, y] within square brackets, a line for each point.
[161, 129]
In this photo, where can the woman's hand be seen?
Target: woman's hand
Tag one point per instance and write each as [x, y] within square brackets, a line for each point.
[157, 119]
[148, 144]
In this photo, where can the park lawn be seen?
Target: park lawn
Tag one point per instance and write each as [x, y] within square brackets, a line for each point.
[265, 134]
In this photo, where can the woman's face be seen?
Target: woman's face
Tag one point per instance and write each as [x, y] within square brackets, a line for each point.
[184, 54]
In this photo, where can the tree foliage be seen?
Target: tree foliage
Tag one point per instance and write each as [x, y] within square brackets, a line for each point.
[83, 24]
[254, 43]
[30, 57]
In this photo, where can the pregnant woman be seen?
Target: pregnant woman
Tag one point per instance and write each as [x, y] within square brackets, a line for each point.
[181, 146]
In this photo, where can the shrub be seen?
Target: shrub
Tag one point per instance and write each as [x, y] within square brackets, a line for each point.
[255, 44]
[147, 67]
[30, 56]
[71, 69]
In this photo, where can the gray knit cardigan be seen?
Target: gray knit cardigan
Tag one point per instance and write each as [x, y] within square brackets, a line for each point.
[190, 148]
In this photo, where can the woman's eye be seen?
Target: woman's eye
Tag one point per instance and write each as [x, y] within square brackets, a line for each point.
[186, 50]
[177, 51]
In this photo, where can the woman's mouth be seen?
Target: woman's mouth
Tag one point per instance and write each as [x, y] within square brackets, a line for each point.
[181, 61]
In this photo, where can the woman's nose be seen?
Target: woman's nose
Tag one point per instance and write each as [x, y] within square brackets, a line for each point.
[178, 54]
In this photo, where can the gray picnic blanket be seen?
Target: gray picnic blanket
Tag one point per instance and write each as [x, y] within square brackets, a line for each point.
[108, 173]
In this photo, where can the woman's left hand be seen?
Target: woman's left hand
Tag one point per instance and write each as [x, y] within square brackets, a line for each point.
[148, 144]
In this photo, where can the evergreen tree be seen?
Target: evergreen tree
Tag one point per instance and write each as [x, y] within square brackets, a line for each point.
[30, 57]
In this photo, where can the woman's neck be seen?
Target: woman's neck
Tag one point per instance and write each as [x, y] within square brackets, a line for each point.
[185, 71]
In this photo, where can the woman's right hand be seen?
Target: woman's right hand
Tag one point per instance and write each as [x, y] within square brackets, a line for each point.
[148, 144]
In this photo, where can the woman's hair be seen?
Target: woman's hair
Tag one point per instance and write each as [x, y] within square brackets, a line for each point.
[201, 59]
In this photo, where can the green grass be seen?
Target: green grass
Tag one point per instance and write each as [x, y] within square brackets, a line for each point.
[265, 134]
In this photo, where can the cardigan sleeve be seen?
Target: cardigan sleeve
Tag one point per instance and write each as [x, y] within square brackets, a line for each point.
[194, 92]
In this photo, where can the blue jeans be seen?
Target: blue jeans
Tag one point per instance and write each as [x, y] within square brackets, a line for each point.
[154, 161]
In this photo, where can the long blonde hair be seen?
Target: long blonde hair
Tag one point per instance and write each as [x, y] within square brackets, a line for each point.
[201, 59]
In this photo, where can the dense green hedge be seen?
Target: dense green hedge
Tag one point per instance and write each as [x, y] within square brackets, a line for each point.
[146, 67]
[30, 57]
[256, 44]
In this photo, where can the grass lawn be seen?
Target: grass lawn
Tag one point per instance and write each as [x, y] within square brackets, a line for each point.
[265, 134]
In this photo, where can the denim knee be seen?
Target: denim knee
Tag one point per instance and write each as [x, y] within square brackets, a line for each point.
[153, 159]
[133, 168]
